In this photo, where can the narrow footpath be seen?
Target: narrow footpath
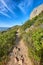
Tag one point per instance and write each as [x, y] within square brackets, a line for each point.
[19, 55]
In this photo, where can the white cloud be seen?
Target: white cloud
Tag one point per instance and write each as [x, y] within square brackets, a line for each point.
[4, 14]
[3, 10]
[3, 2]
[24, 5]
[21, 7]
[28, 2]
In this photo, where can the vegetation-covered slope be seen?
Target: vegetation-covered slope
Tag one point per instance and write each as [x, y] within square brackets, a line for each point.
[29, 23]
[7, 42]
[31, 32]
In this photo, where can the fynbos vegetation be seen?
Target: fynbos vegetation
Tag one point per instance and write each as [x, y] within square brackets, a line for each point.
[31, 32]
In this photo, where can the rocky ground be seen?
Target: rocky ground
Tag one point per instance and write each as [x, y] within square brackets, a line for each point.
[19, 55]
[36, 11]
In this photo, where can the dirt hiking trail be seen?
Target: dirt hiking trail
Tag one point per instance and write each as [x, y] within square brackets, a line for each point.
[19, 55]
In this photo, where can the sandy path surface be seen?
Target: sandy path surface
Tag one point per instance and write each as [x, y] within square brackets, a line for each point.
[19, 55]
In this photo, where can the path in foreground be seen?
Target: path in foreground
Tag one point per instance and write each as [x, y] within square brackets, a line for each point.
[19, 55]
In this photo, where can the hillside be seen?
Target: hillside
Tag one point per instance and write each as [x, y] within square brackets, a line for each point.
[36, 11]
[7, 42]
[23, 45]
[32, 33]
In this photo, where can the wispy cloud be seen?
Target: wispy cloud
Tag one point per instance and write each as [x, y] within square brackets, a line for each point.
[24, 5]
[6, 6]
[28, 2]
[3, 10]
[4, 14]
[22, 9]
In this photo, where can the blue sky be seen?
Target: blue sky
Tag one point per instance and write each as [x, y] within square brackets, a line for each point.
[16, 12]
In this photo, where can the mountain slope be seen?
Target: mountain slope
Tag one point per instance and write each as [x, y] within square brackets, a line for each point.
[32, 33]
[7, 43]
[36, 11]
[23, 40]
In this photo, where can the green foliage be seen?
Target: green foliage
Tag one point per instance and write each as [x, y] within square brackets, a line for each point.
[7, 41]
[34, 38]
